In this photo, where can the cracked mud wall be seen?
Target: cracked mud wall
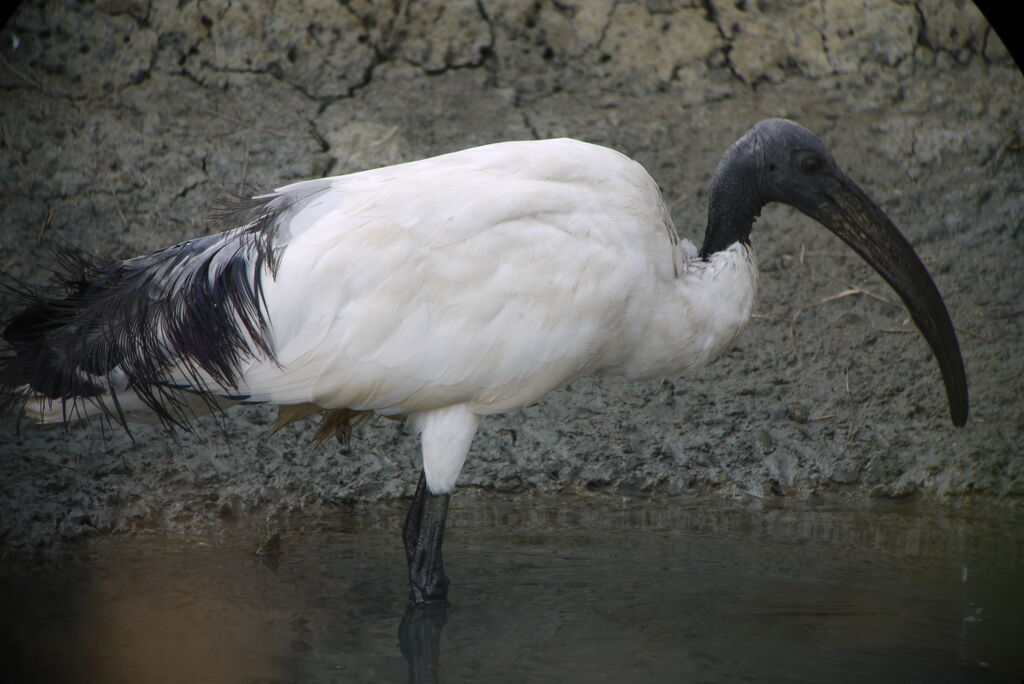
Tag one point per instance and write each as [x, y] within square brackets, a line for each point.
[123, 121]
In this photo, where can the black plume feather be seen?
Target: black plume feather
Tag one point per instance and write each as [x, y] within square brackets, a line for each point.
[181, 318]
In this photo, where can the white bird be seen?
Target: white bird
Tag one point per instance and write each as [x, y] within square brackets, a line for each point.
[442, 290]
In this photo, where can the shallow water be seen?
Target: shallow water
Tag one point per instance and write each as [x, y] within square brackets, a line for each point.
[601, 590]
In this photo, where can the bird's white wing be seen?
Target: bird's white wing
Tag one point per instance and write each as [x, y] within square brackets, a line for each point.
[486, 277]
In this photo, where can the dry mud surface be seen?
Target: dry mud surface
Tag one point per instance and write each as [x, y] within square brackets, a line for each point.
[123, 121]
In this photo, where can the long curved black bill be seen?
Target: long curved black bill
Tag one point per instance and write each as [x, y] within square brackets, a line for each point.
[847, 211]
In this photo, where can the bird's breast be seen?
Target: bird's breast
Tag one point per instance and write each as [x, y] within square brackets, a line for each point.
[689, 320]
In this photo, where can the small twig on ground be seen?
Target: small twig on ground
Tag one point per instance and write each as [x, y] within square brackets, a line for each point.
[809, 253]
[47, 222]
[47, 462]
[245, 166]
[240, 123]
[849, 401]
[117, 205]
[964, 331]
[1009, 314]
[878, 297]
[28, 78]
[389, 41]
[1012, 142]
[854, 290]
[972, 333]
[824, 300]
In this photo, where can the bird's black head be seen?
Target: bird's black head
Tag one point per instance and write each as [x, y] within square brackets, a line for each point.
[795, 167]
[781, 161]
[775, 161]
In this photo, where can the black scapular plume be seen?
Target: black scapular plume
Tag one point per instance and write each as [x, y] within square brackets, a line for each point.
[181, 318]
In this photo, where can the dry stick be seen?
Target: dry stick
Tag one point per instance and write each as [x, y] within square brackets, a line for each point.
[807, 253]
[396, 26]
[1011, 142]
[239, 122]
[20, 155]
[245, 167]
[854, 290]
[849, 402]
[48, 462]
[29, 79]
[965, 331]
[888, 301]
[47, 221]
[972, 333]
[169, 139]
[792, 320]
[1011, 314]
[117, 204]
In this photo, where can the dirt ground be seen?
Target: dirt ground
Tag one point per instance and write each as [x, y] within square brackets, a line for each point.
[123, 121]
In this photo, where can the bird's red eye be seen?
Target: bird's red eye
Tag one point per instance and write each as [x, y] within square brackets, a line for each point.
[810, 164]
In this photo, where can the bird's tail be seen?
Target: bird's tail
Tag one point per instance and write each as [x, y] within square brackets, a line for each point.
[162, 335]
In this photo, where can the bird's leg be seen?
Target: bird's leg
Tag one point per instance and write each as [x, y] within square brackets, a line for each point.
[423, 536]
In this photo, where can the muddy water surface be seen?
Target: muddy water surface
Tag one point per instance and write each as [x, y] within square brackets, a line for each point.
[606, 590]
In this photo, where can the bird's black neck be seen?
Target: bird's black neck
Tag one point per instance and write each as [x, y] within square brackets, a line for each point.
[734, 199]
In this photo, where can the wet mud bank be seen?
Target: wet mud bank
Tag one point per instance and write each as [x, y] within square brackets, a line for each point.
[123, 121]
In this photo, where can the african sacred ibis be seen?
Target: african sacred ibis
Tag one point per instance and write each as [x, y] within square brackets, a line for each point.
[443, 290]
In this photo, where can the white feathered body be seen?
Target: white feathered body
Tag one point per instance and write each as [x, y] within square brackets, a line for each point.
[488, 278]
[476, 282]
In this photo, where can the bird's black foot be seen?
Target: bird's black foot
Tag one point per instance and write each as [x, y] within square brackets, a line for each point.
[423, 536]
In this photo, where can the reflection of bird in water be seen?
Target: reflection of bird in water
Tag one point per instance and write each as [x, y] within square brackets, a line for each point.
[419, 638]
[442, 290]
